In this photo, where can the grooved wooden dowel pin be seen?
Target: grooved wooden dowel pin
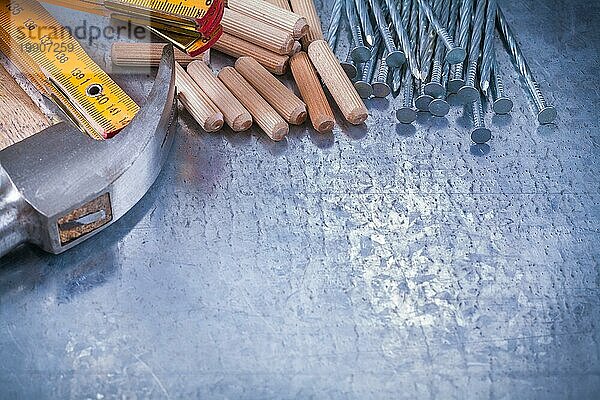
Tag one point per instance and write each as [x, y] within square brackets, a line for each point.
[296, 49]
[271, 15]
[259, 33]
[307, 9]
[281, 4]
[264, 115]
[197, 102]
[236, 47]
[340, 87]
[282, 99]
[319, 110]
[125, 54]
[234, 113]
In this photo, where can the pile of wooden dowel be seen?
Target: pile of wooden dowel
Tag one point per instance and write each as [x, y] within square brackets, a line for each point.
[265, 40]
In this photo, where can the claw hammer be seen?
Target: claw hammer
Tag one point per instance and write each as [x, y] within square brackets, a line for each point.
[59, 187]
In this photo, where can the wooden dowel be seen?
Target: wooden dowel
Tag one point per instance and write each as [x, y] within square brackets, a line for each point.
[125, 54]
[307, 9]
[319, 110]
[282, 99]
[19, 116]
[197, 102]
[257, 32]
[272, 15]
[234, 113]
[337, 82]
[265, 116]
[236, 47]
[296, 49]
[281, 4]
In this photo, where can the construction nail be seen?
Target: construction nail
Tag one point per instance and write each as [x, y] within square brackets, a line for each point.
[406, 113]
[395, 57]
[435, 87]
[439, 107]
[365, 21]
[427, 43]
[454, 53]
[413, 24]
[363, 82]
[457, 80]
[360, 53]
[546, 113]
[501, 104]
[480, 133]
[453, 19]
[334, 24]
[423, 99]
[349, 66]
[396, 81]
[488, 47]
[469, 93]
[400, 26]
[379, 81]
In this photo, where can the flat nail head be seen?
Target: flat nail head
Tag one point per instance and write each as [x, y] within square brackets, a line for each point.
[439, 107]
[422, 102]
[406, 115]
[395, 59]
[456, 55]
[454, 85]
[360, 54]
[434, 89]
[468, 94]
[381, 89]
[481, 135]
[364, 89]
[349, 69]
[502, 105]
[547, 115]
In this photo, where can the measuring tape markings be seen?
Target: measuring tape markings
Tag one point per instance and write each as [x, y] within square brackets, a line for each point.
[204, 14]
[27, 67]
[73, 76]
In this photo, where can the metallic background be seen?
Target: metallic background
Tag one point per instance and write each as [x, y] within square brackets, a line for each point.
[386, 262]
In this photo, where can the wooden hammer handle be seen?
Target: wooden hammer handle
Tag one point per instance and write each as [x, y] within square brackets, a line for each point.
[19, 116]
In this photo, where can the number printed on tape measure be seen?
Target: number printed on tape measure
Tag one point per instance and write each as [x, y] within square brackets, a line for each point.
[28, 29]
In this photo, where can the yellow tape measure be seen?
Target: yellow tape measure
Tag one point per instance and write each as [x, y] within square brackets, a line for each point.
[32, 38]
[187, 9]
[204, 15]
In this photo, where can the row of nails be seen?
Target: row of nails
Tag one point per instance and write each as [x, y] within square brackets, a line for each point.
[422, 51]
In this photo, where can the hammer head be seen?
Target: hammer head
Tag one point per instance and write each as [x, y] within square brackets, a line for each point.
[73, 186]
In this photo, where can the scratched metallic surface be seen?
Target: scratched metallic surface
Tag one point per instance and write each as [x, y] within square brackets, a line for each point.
[389, 262]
